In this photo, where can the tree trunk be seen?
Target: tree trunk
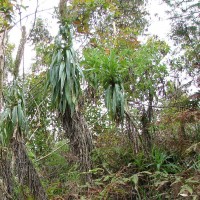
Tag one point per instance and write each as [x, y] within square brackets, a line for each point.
[80, 138]
[132, 132]
[25, 170]
[3, 33]
[150, 108]
[20, 53]
[146, 122]
[6, 187]
[145, 131]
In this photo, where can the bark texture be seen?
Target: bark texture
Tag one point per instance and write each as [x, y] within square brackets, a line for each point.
[80, 138]
[25, 170]
[6, 186]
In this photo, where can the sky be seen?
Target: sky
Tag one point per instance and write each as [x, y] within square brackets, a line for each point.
[160, 24]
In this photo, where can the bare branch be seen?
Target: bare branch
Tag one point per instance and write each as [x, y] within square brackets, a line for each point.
[35, 15]
[39, 11]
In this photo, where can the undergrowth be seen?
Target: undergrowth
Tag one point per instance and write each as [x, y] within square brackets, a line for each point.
[170, 170]
[119, 174]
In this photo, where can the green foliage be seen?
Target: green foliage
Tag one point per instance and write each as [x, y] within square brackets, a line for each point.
[185, 33]
[113, 151]
[40, 32]
[106, 68]
[65, 74]
[13, 115]
[97, 16]
[44, 126]
[42, 41]
[140, 161]
[147, 68]
[163, 162]
[6, 9]
[62, 178]
[9, 62]
[122, 75]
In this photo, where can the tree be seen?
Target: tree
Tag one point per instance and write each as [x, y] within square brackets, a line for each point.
[65, 79]
[5, 12]
[109, 23]
[106, 69]
[148, 79]
[185, 33]
[14, 126]
[5, 17]
[130, 74]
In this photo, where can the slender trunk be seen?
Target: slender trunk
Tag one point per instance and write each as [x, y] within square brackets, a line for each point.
[145, 131]
[146, 121]
[150, 107]
[132, 132]
[20, 53]
[3, 33]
